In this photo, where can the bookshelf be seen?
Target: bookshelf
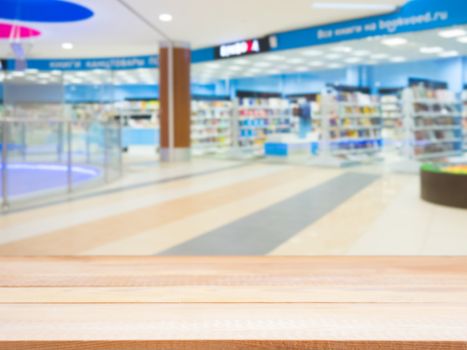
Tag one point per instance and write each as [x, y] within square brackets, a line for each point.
[211, 127]
[256, 118]
[432, 123]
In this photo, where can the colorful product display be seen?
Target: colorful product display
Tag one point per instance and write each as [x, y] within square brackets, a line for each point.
[351, 124]
[211, 127]
[433, 123]
[258, 118]
[458, 169]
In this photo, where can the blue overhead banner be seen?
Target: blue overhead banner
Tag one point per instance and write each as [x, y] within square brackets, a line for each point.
[110, 63]
[416, 15]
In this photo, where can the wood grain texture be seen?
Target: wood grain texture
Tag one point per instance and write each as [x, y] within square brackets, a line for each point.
[233, 303]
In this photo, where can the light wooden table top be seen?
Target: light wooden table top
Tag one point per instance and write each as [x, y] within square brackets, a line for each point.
[233, 303]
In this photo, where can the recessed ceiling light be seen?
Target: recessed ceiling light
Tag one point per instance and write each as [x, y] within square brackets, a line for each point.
[235, 68]
[241, 61]
[452, 33]
[316, 64]
[353, 60]
[165, 17]
[213, 65]
[335, 66]
[361, 53]
[312, 53]
[379, 56]
[394, 41]
[398, 59]
[449, 54]
[274, 72]
[353, 6]
[67, 46]
[262, 64]
[296, 60]
[462, 40]
[301, 69]
[344, 49]
[333, 56]
[431, 50]
[275, 58]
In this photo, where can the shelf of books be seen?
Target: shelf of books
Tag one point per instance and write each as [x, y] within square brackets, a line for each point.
[464, 117]
[256, 119]
[351, 126]
[392, 114]
[211, 127]
[432, 123]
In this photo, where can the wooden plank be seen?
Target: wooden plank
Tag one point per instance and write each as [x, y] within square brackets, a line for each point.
[277, 321]
[233, 303]
[233, 345]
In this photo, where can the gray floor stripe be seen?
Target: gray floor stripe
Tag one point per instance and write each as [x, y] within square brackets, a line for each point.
[263, 231]
[77, 197]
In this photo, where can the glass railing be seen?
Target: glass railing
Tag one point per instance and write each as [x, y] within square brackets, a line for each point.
[46, 160]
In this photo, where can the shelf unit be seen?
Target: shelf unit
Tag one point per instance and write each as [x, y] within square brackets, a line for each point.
[211, 127]
[432, 123]
[139, 113]
[464, 117]
[351, 126]
[256, 119]
[392, 114]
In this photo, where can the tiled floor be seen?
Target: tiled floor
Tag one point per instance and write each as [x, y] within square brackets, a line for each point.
[214, 207]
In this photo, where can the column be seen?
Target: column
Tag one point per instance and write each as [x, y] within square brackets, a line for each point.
[175, 101]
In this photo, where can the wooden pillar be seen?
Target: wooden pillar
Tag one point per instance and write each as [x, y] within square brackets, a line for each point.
[175, 102]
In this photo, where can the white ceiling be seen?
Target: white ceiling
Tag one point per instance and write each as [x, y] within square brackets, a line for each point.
[114, 31]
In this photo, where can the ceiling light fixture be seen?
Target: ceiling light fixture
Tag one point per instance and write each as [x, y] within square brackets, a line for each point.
[67, 46]
[398, 59]
[262, 64]
[344, 49]
[452, 33]
[361, 53]
[165, 17]
[394, 41]
[353, 6]
[296, 60]
[333, 56]
[335, 66]
[275, 58]
[353, 60]
[316, 64]
[447, 54]
[431, 50]
[462, 40]
[379, 56]
[312, 53]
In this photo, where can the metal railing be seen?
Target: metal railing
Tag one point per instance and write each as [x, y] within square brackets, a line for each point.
[41, 158]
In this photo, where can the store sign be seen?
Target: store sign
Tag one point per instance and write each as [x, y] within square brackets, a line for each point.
[114, 63]
[243, 48]
[415, 15]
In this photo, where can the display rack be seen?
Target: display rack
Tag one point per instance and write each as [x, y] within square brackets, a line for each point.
[139, 113]
[392, 114]
[211, 127]
[432, 123]
[464, 117]
[256, 118]
[351, 127]
[140, 121]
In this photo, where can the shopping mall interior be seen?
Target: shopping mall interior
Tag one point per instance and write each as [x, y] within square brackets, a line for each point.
[228, 175]
[233, 128]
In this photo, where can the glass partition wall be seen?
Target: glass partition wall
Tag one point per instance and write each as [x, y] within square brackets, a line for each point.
[50, 148]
